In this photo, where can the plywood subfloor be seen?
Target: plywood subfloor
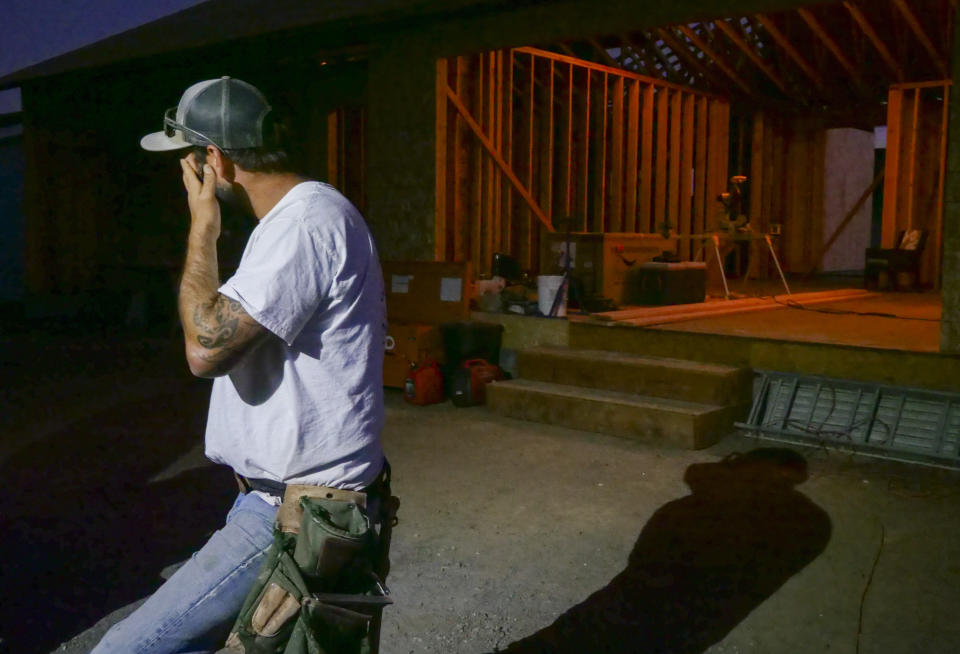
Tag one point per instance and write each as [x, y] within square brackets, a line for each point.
[899, 321]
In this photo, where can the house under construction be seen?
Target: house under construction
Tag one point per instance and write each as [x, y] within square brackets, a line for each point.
[469, 128]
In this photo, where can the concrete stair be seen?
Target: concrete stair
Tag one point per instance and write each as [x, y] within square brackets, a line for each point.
[707, 383]
[651, 399]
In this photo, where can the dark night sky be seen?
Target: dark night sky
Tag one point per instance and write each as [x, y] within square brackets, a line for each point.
[32, 31]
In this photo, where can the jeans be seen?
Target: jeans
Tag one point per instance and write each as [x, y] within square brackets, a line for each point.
[195, 609]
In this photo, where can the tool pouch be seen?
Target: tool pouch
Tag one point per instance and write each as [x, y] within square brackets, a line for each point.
[334, 546]
[266, 619]
[332, 552]
[323, 628]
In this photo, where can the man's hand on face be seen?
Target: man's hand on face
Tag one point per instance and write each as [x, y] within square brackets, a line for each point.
[201, 197]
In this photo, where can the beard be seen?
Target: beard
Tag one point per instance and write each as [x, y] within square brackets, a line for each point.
[233, 198]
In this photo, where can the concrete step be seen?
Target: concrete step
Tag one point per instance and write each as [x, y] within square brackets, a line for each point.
[692, 381]
[658, 421]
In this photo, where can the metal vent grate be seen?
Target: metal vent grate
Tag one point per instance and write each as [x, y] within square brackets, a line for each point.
[888, 421]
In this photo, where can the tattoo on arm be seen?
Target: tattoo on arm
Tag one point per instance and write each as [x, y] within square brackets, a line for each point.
[222, 328]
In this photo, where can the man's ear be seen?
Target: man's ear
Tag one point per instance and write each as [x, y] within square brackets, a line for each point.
[221, 164]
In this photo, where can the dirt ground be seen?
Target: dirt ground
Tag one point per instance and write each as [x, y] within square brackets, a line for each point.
[513, 536]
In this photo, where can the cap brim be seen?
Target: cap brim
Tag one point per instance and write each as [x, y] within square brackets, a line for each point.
[160, 142]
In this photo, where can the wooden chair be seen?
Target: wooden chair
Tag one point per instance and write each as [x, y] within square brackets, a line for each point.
[887, 262]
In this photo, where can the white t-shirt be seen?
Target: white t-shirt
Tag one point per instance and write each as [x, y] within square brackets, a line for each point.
[306, 407]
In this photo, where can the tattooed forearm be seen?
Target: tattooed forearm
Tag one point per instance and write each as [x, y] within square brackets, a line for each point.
[217, 332]
[220, 338]
[222, 328]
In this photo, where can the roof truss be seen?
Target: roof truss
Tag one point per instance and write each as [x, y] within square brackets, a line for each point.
[843, 54]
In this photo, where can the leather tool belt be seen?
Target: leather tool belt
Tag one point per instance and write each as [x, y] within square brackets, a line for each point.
[290, 513]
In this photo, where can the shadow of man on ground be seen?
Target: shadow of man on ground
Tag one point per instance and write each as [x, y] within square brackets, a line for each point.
[701, 564]
[85, 531]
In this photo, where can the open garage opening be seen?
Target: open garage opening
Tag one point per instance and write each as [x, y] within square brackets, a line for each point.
[793, 158]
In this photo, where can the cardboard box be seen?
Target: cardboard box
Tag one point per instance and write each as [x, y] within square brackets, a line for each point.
[427, 292]
[411, 344]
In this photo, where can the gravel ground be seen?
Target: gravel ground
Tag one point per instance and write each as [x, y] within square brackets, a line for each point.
[513, 536]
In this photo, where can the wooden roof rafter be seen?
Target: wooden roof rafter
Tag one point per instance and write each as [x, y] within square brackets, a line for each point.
[628, 56]
[667, 70]
[913, 22]
[731, 56]
[947, 26]
[635, 60]
[738, 40]
[860, 49]
[836, 59]
[624, 54]
[638, 60]
[947, 35]
[644, 63]
[567, 50]
[718, 59]
[820, 31]
[675, 68]
[878, 43]
[751, 32]
[604, 55]
[899, 37]
[684, 54]
[792, 52]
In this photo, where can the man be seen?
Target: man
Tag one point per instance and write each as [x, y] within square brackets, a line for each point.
[294, 340]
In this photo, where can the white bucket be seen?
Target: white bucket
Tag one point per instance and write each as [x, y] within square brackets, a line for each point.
[547, 288]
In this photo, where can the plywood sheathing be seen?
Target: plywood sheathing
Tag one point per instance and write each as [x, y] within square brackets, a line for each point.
[786, 188]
